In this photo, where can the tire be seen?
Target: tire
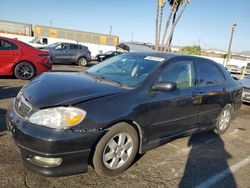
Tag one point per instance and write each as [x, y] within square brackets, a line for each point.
[24, 71]
[223, 120]
[82, 61]
[110, 162]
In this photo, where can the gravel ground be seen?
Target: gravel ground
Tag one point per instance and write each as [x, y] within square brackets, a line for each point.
[186, 162]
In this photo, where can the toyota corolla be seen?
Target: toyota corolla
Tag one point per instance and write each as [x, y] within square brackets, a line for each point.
[128, 104]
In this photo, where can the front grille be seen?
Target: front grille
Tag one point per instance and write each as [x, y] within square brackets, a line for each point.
[22, 107]
[246, 89]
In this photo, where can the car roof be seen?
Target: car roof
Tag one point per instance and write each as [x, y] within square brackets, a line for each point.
[6, 38]
[166, 55]
[67, 43]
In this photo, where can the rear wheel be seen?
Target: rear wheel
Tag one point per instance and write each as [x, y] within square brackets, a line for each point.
[116, 150]
[24, 71]
[223, 120]
[82, 61]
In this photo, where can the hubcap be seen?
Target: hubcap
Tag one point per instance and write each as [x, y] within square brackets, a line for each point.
[83, 61]
[117, 151]
[224, 120]
[25, 71]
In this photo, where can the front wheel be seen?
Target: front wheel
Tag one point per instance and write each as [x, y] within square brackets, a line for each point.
[82, 61]
[116, 150]
[223, 120]
[24, 71]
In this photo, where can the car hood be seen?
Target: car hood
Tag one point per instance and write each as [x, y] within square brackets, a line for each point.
[54, 89]
[245, 82]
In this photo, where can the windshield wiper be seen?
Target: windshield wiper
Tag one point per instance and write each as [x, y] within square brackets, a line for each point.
[103, 78]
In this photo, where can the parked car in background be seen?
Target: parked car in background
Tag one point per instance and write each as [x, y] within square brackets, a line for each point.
[239, 69]
[246, 90]
[235, 68]
[69, 53]
[109, 54]
[22, 60]
[126, 105]
[248, 69]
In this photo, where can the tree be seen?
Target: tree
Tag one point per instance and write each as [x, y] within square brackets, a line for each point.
[195, 50]
[174, 23]
[159, 13]
[156, 26]
[175, 5]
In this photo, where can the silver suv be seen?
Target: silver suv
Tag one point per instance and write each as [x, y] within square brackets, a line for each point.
[69, 53]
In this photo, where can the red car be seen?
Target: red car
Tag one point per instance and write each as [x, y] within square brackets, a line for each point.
[22, 60]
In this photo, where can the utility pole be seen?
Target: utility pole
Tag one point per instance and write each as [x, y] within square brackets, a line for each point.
[50, 23]
[132, 37]
[110, 29]
[229, 53]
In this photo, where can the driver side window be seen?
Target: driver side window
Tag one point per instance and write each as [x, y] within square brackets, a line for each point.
[180, 72]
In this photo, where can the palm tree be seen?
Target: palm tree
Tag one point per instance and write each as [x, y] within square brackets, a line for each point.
[162, 4]
[159, 13]
[156, 25]
[175, 21]
[175, 5]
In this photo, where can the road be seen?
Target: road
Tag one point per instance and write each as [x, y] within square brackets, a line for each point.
[203, 160]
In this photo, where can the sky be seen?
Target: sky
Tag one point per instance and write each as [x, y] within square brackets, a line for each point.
[204, 22]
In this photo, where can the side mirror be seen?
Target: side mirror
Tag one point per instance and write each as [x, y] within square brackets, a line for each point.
[164, 86]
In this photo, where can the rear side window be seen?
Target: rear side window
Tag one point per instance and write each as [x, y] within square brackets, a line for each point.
[73, 47]
[6, 45]
[209, 73]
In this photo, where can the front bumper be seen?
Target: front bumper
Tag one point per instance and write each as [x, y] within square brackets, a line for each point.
[74, 148]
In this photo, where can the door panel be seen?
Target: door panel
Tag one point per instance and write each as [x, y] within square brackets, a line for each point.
[9, 55]
[173, 112]
[61, 53]
[73, 52]
[210, 104]
[211, 90]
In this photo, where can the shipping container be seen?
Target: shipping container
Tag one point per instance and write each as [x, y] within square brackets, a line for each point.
[15, 28]
[79, 36]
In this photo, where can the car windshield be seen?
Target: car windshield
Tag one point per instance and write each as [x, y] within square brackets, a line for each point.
[126, 69]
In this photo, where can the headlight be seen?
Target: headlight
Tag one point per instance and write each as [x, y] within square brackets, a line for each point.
[58, 117]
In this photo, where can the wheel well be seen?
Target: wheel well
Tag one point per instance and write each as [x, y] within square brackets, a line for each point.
[137, 128]
[13, 69]
[81, 57]
[133, 124]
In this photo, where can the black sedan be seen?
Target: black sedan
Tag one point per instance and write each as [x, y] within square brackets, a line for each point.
[109, 54]
[129, 104]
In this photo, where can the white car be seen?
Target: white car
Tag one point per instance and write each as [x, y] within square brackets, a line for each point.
[246, 90]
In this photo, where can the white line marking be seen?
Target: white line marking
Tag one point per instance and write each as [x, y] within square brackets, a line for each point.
[216, 178]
